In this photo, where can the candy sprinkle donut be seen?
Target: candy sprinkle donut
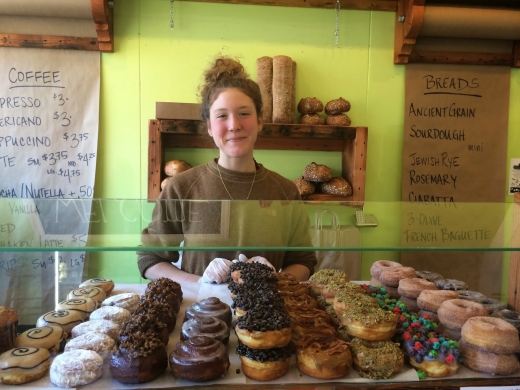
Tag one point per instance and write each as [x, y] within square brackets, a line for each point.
[491, 334]
[455, 312]
[392, 275]
[380, 265]
[412, 287]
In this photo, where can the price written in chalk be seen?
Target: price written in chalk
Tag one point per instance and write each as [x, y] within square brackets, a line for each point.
[75, 138]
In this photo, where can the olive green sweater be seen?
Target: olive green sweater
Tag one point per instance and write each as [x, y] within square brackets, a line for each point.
[195, 207]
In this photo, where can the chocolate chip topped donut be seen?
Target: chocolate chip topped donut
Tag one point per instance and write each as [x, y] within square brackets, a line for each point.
[249, 299]
[243, 272]
[157, 309]
[264, 364]
[238, 288]
[264, 328]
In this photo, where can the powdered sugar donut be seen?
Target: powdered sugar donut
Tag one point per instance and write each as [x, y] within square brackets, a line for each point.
[128, 301]
[76, 368]
[113, 313]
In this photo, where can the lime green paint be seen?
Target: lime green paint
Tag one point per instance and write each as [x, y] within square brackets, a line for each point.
[153, 63]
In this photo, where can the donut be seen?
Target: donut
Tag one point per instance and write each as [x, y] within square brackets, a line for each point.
[212, 327]
[8, 328]
[493, 305]
[211, 306]
[128, 301]
[264, 328]
[435, 368]
[336, 286]
[311, 119]
[337, 106]
[85, 306]
[324, 276]
[305, 187]
[454, 313]
[451, 284]
[288, 282]
[304, 324]
[112, 313]
[369, 323]
[431, 300]
[429, 275]
[451, 332]
[317, 172]
[47, 337]
[392, 292]
[391, 276]
[338, 120]
[412, 287]
[249, 299]
[259, 287]
[67, 319]
[491, 334]
[94, 292]
[374, 282]
[145, 323]
[345, 300]
[310, 105]
[23, 365]
[76, 368]
[378, 266]
[156, 309]
[300, 301]
[105, 284]
[165, 287]
[474, 296]
[264, 364]
[488, 362]
[93, 341]
[410, 303]
[199, 359]
[430, 315]
[243, 272]
[336, 186]
[376, 359]
[140, 357]
[108, 327]
[511, 316]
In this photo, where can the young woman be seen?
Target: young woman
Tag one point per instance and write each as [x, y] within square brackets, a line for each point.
[231, 107]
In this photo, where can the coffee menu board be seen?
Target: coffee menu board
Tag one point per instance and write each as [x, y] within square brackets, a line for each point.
[49, 110]
[454, 170]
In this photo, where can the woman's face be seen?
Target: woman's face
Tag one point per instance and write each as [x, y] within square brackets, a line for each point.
[234, 124]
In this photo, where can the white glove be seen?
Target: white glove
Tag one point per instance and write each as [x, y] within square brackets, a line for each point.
[216, 272]
[260, 259]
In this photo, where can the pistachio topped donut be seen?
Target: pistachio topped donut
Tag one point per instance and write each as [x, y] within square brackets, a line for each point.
[324, 276]
[369, 323]
[211, 306]
[264, 328]
[376, 359]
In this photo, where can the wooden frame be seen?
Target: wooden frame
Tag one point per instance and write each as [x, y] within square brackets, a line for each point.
[102, 15]
[408, 24]
[368, 5]
[350, 141]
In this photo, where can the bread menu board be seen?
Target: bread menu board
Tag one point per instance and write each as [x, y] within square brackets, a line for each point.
[49, 110]
[454, 168]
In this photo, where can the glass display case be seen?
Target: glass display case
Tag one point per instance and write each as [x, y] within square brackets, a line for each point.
[49, 246]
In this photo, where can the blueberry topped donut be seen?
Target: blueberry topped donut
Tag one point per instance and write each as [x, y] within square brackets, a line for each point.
[211, 306]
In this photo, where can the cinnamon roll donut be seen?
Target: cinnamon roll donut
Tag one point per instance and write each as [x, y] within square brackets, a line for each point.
[212, 327]
[211, 306]
[199, 359]
[488, 362]
[455, 312]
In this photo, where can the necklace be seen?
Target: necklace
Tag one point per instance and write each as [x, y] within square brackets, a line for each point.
[251, 189]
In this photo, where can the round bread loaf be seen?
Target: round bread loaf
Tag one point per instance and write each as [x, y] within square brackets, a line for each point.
[310, 105]
[336, 186]
[305, 187]
[338, 120]
[173, 167]
[337, 106]
[311, 119]
[317, 172]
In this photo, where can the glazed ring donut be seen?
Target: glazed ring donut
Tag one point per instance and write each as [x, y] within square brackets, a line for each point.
[380, 265]
[265, 364]
[392, 275]
[376, 359]
[511, 316]
[369, 323]
[311, 119]
[431, 300]
[310, 105]
[412, 287]
[455, 312]
[429, 275]
[23, 365]
[325, 357]
[488, 362]
[105, 284]
[474, 296]
[337, 106]
[493, 305]
[491, 334]
[451, 284]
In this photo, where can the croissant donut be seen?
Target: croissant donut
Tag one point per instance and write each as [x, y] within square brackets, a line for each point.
[199, 359]
[264, 328]
[323, 357]
[491, 334]
[311, 119]
[412, 287]
[431, 300]
[205, 326]
[380, 265]
[336, 186]
[337, 106]
[211, 306]
[455, 312]
[488, 362]
[305, 187]
[338, 120]
[317, 172]
[310, 105]
[264, 364]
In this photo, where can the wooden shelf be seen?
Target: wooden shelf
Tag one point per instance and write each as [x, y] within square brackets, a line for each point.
[350, 141]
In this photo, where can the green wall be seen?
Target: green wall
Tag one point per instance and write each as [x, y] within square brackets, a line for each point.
[153, 63]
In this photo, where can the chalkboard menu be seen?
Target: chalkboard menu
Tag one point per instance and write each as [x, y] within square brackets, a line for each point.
[49, 110]
[454, 168]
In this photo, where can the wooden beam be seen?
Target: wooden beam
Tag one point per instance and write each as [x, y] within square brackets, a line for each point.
[513, 296]
[48, 42]
[367, 5]
[447, 57]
